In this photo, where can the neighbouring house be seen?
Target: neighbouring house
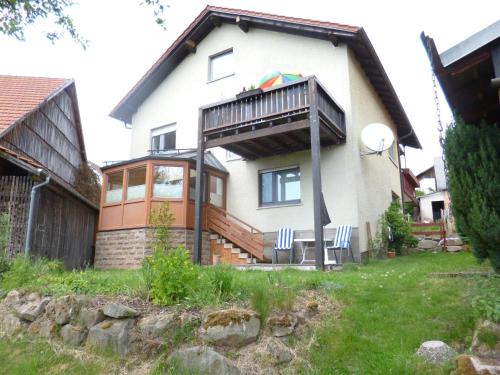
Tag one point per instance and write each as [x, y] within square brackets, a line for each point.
[469, 74]
[436, 204]
[45, 189]
[236, 165]
[410, 183]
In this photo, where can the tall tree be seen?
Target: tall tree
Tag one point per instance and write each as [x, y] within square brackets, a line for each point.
[473, 160]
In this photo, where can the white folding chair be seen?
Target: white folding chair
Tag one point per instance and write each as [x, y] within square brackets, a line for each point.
[341, 241]
[284, 242]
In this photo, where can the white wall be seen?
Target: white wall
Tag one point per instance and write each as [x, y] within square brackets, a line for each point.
[356, 189]
[426, 204]
[377, 177]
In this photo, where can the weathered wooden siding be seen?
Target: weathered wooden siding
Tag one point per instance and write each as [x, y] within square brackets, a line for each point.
[14, 201]
[64, 229]
[51, 137]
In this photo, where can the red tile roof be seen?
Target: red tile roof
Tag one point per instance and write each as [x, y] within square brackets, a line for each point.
[25, 159]
[20, 95]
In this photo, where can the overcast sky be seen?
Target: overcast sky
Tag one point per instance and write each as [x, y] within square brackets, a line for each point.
[125, 42]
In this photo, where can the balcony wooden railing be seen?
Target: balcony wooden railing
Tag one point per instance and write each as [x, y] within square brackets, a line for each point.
[276, 105]
[237, 231]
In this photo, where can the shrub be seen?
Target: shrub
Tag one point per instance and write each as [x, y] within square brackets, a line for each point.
[160, 220]
[401, 230]
[172, 275]
[473, 156]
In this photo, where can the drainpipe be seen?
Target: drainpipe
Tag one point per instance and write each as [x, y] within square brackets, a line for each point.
[31, 215]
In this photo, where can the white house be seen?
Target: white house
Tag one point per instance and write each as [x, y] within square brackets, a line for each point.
[187, 100]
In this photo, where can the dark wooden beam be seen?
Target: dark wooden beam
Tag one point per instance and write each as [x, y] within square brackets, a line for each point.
[215, 21]
[259, 133]
[198, 200]
[190, 45]
[248, 151]
[316, 174]
[243, 25]
[334, 39]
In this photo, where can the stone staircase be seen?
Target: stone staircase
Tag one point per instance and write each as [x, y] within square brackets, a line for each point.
[227, 252]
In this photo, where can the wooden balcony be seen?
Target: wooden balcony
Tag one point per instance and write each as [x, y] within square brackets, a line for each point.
[273, 121]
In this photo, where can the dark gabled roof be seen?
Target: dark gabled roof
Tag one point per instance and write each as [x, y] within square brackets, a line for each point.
[184, 155]
[210, 17]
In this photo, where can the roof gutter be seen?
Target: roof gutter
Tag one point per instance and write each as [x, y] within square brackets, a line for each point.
[32, 211]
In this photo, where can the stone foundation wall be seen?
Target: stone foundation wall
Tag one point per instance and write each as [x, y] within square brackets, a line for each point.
[127, 248]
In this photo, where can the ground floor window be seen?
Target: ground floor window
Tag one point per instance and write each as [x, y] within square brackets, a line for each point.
[279, 187]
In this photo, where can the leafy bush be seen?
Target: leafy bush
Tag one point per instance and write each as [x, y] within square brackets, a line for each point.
[400, 229]
[473, 156]
[172, 275]
[161, 219]
[486, 302]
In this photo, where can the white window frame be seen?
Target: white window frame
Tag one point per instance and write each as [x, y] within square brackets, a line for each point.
[165, 129]
[211, 58]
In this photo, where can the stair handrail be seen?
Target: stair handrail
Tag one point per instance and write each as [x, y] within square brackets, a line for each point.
[252, 229]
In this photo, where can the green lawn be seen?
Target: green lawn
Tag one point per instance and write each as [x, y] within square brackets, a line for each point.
[389, 308]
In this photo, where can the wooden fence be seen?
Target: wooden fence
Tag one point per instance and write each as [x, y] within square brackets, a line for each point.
[14, 205]
[430, 229]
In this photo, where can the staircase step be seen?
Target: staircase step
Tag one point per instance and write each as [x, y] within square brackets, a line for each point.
[243, 255]
[251, 261]
[214, 236]
[235, 250]
[228, 245]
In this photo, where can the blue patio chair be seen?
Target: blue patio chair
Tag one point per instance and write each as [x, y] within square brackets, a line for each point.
[341, 241]
[284, 242]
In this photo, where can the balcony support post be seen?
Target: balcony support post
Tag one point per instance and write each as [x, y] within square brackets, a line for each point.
[199, 189]
[316, 172]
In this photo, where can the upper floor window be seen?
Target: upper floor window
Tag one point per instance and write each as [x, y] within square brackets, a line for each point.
[163, 138]
[221, 65]
[393, 153]
[279, 187]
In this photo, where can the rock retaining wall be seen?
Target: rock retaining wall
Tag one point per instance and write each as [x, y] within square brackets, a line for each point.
[127, 248]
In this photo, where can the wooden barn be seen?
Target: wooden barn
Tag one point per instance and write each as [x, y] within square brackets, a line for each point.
[48, 194]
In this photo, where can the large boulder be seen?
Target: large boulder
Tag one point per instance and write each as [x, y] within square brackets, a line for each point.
[455, 241]
[427, 244]
[453, 249]
[282, 324]
[73, 335]
[111, 334]
[32, 308]
[202, 360]
[89, 317]
[118, 311]
[232, 327]
[436, 352]
[10, 324]
[274, 351]
[12, 298]
[43, 327]
[63, 309]
[158, 325]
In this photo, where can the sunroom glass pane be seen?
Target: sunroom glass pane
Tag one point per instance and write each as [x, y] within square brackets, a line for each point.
[136, 188]
[114, 187]
[168, 182]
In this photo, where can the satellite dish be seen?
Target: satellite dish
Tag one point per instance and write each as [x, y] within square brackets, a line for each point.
[377, 137]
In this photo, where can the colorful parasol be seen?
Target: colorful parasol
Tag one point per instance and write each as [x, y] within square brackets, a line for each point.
[277, 78]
